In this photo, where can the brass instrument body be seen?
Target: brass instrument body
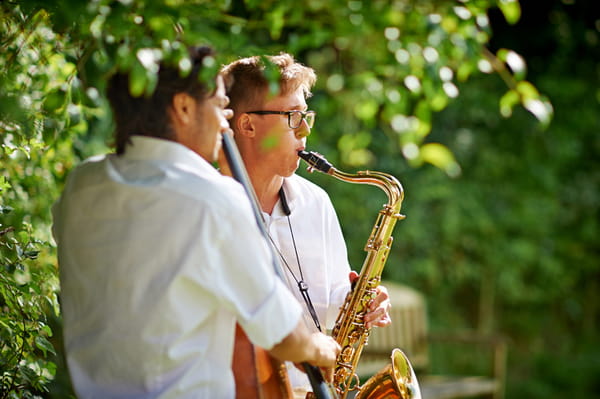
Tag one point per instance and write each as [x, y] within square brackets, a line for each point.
[396, 380]
[349, 330]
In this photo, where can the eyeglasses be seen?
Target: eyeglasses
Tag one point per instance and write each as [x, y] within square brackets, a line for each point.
[295, 117]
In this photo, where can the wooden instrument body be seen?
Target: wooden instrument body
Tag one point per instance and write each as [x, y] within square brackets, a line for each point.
[258, 375]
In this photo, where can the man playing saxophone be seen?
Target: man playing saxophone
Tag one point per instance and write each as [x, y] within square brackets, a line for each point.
[300, 218]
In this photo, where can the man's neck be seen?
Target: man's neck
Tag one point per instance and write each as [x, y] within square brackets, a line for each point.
[267, 189]
[266, 186]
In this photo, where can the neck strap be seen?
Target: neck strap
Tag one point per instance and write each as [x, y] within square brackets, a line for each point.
[302, 286]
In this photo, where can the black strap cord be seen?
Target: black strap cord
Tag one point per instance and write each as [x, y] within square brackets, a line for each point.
[302, 286]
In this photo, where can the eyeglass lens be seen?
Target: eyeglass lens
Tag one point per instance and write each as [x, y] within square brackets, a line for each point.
[296, 119]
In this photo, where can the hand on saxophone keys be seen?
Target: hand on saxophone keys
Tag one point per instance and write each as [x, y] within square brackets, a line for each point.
[379, 308]
[326, 351]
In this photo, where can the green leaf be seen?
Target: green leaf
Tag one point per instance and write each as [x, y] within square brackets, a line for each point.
[46, 329]
[527, 91]
[50, 368]
[511, 9]
[508, 102]
[4, 209]
[137, 80]
[6, 328]
[31, 254]
[441, 157]
[44, 345]
[515, 62]
[28, 375]
[540, 108]
[55, 100]
[272, 74]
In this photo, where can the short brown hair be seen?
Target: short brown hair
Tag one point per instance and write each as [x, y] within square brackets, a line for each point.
[248, 84]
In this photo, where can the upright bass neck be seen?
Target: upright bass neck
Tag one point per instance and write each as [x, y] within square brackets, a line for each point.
[320, 387]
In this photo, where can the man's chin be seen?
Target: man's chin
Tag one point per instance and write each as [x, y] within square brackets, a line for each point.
[291, 172]
[295, 167]
[217, 150]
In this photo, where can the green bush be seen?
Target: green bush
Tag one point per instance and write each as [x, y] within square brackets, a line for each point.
[27, 296]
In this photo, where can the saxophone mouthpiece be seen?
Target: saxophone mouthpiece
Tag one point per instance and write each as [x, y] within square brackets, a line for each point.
[315, 161]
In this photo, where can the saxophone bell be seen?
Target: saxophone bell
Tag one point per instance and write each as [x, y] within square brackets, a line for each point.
[396, 380]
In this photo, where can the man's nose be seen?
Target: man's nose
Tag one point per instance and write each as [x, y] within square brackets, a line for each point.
[303, 130]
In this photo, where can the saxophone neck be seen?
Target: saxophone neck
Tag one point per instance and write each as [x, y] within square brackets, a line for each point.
[386, 182]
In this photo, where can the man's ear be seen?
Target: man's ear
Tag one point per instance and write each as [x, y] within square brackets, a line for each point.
[245, 126]
[183, 108]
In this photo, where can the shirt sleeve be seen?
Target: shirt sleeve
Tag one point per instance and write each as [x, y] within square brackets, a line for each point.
[241, 273]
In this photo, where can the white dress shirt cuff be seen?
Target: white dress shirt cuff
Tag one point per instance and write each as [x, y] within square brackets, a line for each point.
[281, 312]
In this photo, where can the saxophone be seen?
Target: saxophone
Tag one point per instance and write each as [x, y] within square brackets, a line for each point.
[396, 380]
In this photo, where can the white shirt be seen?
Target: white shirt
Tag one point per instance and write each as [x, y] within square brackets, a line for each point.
[159, 256]
[321, 250]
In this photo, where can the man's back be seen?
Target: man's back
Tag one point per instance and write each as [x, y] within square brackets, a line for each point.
[145, 260]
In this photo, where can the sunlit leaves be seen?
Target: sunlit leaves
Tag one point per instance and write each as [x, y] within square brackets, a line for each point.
[419, 39]
[512, 68]
[433, 45]
[25, 293]
[526, 94]
[39, 102]
[413, 53]
[4, 185]
[404, 45]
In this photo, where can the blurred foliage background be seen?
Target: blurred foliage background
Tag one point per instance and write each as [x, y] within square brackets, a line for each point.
[486, 110]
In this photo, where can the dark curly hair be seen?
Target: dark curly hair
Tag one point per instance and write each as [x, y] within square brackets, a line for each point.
[148, 115]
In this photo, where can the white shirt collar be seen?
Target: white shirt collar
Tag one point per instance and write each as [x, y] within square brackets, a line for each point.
[157, 149]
